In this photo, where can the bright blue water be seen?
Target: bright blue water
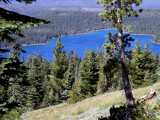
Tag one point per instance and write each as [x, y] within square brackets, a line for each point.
[85, 41]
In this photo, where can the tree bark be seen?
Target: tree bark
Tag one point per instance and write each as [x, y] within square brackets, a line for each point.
[106, 82]
[124, 72]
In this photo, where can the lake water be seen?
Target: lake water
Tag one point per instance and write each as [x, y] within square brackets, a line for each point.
[81, 42]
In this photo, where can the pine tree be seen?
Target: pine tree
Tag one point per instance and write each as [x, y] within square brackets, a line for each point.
[46, 71]
[59, 67]
[75, 94]
[70, 75]
[155, 62]
[109, 74]
[136, 63]
[88, 73]
[18, 82]
[143, 66]
[36, 78]
[10, 24]
[102, 85]
[114, 11]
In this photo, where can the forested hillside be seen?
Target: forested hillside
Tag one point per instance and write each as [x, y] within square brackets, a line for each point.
[38, 83]
[67, 23]
[71, 79]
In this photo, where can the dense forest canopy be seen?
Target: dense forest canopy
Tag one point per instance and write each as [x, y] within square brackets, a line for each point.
[10, 67]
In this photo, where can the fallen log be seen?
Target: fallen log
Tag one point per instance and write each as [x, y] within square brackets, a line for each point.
[147, 97]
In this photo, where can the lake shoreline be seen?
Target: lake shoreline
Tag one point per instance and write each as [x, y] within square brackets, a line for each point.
[24, 45]
[80, 43]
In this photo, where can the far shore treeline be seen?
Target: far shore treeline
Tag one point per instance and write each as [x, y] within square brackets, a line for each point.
[69, 23]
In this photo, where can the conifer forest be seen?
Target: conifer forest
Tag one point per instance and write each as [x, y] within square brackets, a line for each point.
[38, 83]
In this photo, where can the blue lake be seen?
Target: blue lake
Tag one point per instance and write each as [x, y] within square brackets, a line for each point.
[81, 42]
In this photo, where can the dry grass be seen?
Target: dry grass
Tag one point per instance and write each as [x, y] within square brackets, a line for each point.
[101, 101]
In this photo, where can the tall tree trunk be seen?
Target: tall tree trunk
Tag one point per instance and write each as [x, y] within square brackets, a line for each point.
[125, 78]
[106, 82]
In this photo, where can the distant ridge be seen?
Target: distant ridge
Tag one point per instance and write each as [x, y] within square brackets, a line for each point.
[147, 4]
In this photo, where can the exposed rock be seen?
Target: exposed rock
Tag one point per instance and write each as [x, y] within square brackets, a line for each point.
[99, 116]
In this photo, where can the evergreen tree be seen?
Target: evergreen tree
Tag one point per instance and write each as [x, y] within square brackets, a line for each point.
[114, 11]
[18, 82]
[46, 71]
[88, 73]
[59, 67]
[102, 85]
[143, 66]
[36, 79]
[109, 75]
[29, 61]
[70, 75]
[10, 24]
[155, 62]
[75, 94]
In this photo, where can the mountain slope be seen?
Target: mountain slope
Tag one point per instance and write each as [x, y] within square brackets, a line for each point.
[90, 108]
[87, 3]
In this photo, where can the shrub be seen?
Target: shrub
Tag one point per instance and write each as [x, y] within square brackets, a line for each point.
[139, 111]
[14, 114]
[75, 96]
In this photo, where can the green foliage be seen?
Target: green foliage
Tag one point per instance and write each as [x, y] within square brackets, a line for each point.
[115, 46]
[59, 67]
[14, 114]
[75, 95]
[83, 22]
[60, 60]
[116, 9]
[109, 72]
[46, 69]
[141, 111]
[17, 80]
[72, 73]
[43, 83]
[102, 84]
[12, 71]
[73, 65]
[37, 76]
[12, 82]
[143, 66]
[3, 108]
[89, 73]
[35, 80]
[126, 113]
[11, 22]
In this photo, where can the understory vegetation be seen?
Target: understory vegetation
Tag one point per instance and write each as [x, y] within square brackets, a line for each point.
[95, 106]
